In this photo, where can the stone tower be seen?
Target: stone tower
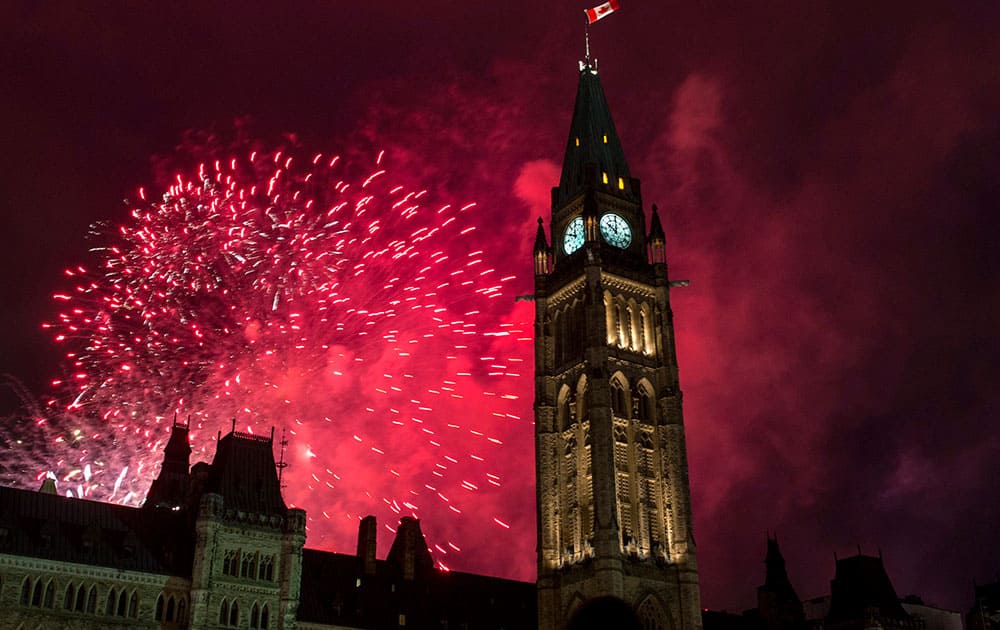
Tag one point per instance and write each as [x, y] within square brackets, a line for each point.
[614, 510]
[247, 567]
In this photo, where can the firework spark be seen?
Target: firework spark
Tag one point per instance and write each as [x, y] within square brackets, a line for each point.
[340, 303]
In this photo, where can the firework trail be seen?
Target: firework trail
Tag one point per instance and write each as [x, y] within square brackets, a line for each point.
[341, 303]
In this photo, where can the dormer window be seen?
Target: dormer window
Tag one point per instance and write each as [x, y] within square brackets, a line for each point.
[621, 184]
[605, 138]
[605, 177]
[578, 142]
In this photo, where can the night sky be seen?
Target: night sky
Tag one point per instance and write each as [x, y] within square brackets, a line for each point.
[827, 174]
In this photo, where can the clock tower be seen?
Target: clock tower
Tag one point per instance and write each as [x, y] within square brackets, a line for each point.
[614, 508]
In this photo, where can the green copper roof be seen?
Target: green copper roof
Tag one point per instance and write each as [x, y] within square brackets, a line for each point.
[592, 140]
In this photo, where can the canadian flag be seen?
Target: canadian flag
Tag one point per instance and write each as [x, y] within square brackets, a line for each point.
[601, 10]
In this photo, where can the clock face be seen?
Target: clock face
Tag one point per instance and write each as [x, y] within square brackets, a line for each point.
[573, 237]
[615, 230]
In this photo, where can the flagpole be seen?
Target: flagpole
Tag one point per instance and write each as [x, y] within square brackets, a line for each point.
[586, 36]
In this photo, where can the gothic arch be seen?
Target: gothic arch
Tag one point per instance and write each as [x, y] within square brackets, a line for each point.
[133, 605]
[26, 591]
[182, 610]
[632, 318]
[621, 398]
[574, 604]
[652, 613]
[621, 330]
[646, 321]
[645, 402]
[109, 605]
[50, 594]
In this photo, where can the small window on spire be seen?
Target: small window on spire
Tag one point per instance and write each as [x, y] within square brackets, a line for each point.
[577, 142]
[605, 177]
[621, 184]
[605, 138]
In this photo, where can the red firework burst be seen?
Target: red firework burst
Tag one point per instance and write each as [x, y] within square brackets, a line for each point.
[344, 305]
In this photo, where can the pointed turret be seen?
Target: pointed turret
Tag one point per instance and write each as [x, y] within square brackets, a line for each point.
[658, 242]
[592, 141]
[779, 605]
[541, 251]
[171, 487]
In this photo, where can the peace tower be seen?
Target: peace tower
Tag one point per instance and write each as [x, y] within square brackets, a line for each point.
[614, 508]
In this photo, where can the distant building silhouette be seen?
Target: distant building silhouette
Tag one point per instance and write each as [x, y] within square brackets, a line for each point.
[861, 598]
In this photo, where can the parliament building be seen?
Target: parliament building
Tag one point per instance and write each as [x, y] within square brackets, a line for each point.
[215, 546]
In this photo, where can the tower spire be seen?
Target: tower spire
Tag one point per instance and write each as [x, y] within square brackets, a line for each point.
[594, 141]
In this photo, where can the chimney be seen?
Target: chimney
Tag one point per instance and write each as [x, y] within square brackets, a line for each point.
[366, 544]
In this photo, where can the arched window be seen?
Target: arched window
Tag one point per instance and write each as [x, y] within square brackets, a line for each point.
[648, 343]
[620, 399]
[264, 617]
[267, 568]
[226, 562]
[234, 614]
[650, 615]
[133, 605]
[158, 611]
[26, 592]
[223, 613]
[68, 598]
[254, 616]
[36, 593]
[122, 604]
[645, 404]
[109, 606]
[50, 595]
[253, 567]
[182, 611]
[233, 565]
[643, 336]
[81, 599]
[92, 600]
[630, 341]
[170, 609]
[245, 567]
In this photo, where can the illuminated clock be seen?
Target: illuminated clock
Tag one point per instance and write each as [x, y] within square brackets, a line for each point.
[573, 236]
[615, 230]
